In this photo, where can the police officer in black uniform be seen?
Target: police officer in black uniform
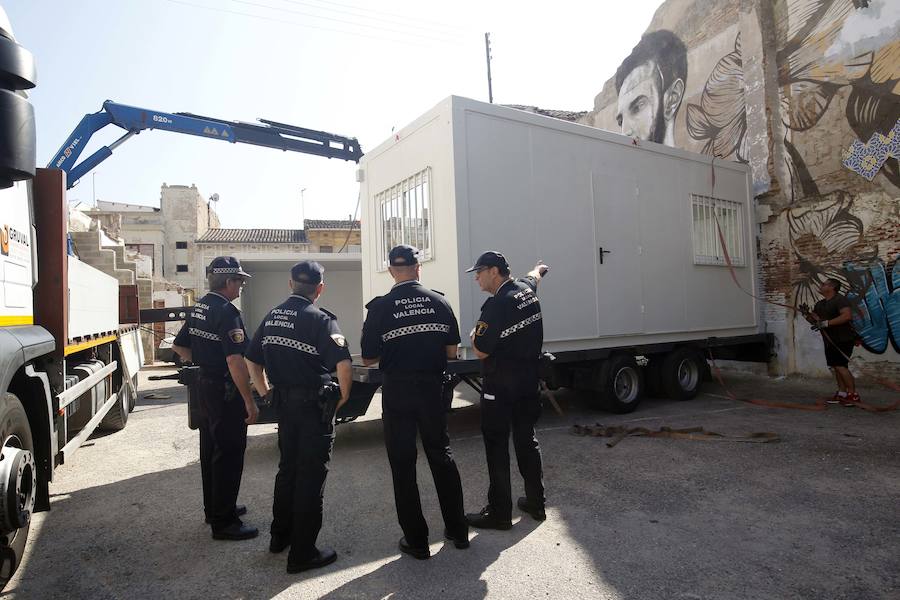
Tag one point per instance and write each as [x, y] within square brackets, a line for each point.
[508, 338]
[299, 345]
[411, 332]
[213, 337]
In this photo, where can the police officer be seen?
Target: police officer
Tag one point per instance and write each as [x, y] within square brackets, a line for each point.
[299, 345]
[508, 338]
[213, 337]
[411, 332]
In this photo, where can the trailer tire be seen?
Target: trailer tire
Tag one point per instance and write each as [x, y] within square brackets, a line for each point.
[621, 384]
[15, 432]
[682, 373]
[117, 417]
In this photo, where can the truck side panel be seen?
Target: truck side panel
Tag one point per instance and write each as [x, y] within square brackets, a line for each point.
[93, 300]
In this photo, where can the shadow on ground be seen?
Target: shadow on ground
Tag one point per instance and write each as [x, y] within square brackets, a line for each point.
[814, 516]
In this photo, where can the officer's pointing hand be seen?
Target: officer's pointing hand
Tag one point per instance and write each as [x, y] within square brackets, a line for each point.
[541, 268]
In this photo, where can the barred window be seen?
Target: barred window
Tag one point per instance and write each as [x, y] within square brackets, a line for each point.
[404, 214]
[707, 211]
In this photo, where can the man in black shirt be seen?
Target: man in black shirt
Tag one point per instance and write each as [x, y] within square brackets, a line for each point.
[411, 332]
[832, 316]
[299, 345]
[508, 338]
[213, 337]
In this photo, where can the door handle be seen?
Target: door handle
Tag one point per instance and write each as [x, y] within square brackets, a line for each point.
[602, 252]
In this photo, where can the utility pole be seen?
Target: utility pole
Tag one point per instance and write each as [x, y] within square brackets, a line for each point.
[302, 210]
[487, 53]
[94, 187]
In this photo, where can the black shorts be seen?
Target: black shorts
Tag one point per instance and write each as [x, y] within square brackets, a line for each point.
[837, 353]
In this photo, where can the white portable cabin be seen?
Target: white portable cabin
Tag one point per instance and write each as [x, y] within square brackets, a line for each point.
[627, 227]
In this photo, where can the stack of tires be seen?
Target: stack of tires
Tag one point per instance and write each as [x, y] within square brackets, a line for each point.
[17, 131]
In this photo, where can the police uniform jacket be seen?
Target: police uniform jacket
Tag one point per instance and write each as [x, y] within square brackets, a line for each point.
[409, 329]
[213, 331]
[510, 329]
[299, 343]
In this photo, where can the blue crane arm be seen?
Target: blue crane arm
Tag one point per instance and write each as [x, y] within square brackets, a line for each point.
[133, 120]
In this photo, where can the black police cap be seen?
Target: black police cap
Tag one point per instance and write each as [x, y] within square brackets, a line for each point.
[489, 259]
[226, 265]
[403, 256]
[307, 271]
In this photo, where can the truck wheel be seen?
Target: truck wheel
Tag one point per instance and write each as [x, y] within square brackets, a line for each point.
[621, 384]
[117, 417]
[132, 400]
[682, 372]
[18, 484]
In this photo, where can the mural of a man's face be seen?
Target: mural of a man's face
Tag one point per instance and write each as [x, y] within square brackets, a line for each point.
[639, 108]
[646, 111]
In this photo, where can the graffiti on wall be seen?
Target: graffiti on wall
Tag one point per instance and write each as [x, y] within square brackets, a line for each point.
[821, 74]
[832, 47]
[876, 300]
[828, 46]
[720, 120]
[867, 159]
[650, 87]
[822, 240]
[828, 242]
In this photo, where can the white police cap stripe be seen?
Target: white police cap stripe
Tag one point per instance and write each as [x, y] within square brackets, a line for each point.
[412, 329]
[520, 325]
[225, 270]
[289, 343]
[204, 334]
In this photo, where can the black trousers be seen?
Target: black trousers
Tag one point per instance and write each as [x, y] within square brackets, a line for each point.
[408, 406]
[510, 402]
[223, 439]
[305, 444]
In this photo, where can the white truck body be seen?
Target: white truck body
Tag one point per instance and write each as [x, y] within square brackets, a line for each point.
[16, 303]
[466, 177]
[59, 380]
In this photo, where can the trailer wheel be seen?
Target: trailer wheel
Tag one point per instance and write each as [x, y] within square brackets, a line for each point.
[682, 373]
[117, 417]
[621, 384]
[18, 485]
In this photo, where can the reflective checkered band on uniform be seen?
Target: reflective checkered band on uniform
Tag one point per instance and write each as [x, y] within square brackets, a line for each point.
[410, 329]
[204, 334]
[224, 270]
[288, 342]
[520, 325]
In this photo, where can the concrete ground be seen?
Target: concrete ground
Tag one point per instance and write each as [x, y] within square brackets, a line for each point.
[813, 516]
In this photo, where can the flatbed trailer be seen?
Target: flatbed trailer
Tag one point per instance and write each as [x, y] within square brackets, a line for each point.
[577, 369]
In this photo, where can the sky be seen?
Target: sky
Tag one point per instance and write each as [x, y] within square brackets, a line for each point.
[347, 67]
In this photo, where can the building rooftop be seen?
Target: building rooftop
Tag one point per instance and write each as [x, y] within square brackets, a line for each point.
[565, 115]
[104, 206]
[326, 224]
[253, 236]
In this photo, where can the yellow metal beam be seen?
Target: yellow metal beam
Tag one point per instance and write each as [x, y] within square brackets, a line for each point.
[73, 348]
[16, 320]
